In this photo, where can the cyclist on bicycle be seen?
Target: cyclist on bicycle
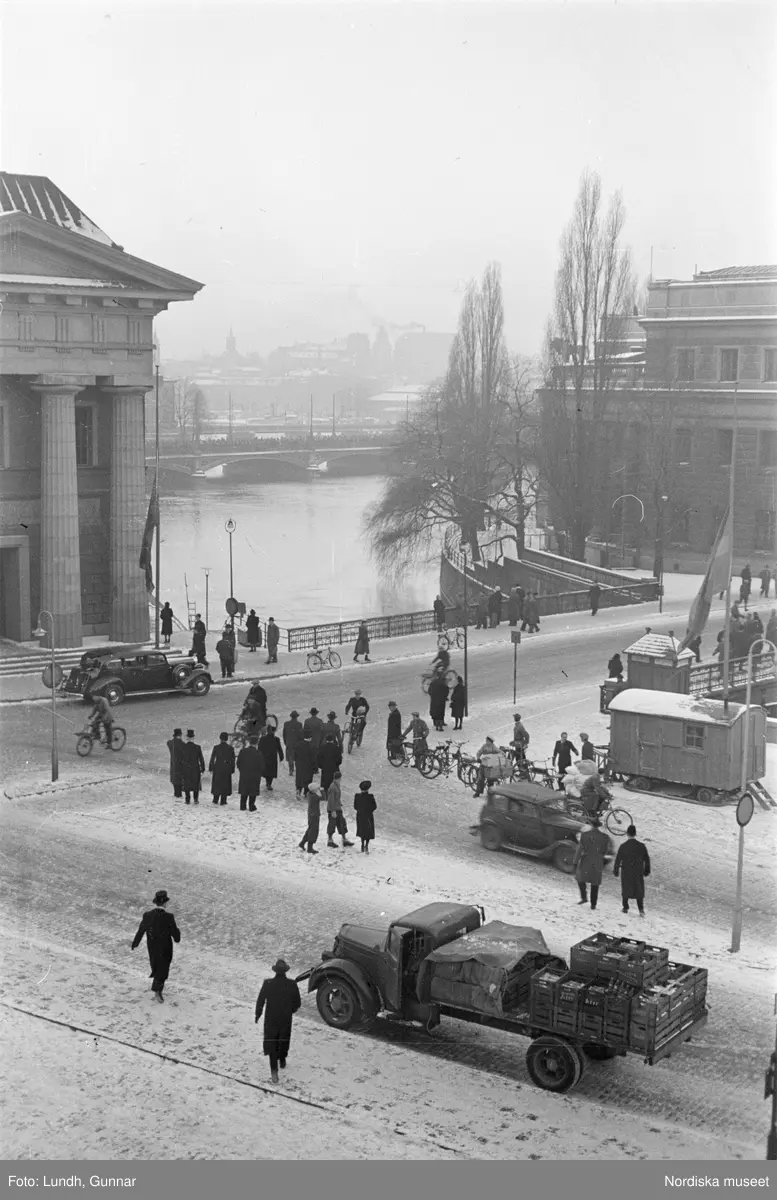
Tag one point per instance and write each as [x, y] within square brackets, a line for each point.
[492, 765]
[594, 796]
[102, 714]
[254, 711]
[442, 662]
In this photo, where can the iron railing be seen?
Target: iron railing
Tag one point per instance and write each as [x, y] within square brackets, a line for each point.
[707, 678]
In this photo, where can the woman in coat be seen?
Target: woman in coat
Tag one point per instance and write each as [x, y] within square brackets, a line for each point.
[221, 767]
[589, 860]
[365, 804]
[166, 616]
[253, 634]
[271, 751]
[438, 695]
[362, 643]
[160, 931]
[458, 702]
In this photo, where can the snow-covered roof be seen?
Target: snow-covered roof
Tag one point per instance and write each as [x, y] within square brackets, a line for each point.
[659, 645]
[38, 197]
[758, 272]
[648, 703]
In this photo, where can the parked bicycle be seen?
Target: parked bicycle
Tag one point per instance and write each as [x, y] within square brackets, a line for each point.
[440, 760]
[322, 660]
[354, 731]
[448, 638]
[89, 735]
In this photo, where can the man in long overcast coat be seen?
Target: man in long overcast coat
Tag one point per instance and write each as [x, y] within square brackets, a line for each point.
[160, 931]
[279, 999]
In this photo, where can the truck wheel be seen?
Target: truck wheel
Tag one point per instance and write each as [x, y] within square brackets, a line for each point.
[338, 1003]
[563, 858]
[490, 837]
[114, 694]
[553, 1064]
[599, 1053]
[642, 783]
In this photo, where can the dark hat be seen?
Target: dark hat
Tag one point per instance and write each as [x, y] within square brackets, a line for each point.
[365, 785]
[272, 618]
[161, 897]
[331, 715]
[281, 967]
[314, 712]
[516, 716]
[330, 737]
[392, 704]
[224, 737]
[253, 612]
[293, 713]
[177, 732]
[631, 831]
[190, 733]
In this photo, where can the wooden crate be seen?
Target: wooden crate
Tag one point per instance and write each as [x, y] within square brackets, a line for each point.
[591, 1024]
[585, 957]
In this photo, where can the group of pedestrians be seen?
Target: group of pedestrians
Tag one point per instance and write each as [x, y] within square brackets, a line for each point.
[439, 693]
[632, 865]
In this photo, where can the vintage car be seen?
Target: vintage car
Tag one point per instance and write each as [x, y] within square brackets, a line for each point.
[134, 671]
[529, 819]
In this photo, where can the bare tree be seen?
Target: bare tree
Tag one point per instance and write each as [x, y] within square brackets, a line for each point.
[466, 464]
[594, 299]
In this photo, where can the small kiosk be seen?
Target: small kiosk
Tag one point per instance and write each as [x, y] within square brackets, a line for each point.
[655, 662]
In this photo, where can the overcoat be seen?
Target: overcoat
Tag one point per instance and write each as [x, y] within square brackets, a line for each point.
[193, 767]
[160, 931]
[330, 756]
[271, 751]
[394, 727]
[167, 621]
[365, 804]
[314, 726]
[273, 637]
[333, 728]
[292, 734]
[458, 701]
[278, 999]
[221, 767]
[305, 764]
[589, 856]
[175, 746]
[253, 633]
[513, 608]
[438, 695]
[250, 764]
[632, 863]
[362, 641]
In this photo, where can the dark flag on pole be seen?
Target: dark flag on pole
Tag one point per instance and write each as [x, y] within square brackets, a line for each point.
[152, 527]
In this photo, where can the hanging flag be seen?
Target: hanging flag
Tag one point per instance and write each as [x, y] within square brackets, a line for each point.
[716, 579]
[152, 527]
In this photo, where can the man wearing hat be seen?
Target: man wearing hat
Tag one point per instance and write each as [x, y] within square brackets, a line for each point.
[520, 739]
[193, 767]
[330, 756]
[420, 731]
[221, 767]
[175, 746]
[292, 735]
[331, 726]
[278, 999]
[250, 764]
[310, 836]
[305, 764]
[394, 726]
[314, 726]
[160, 931]
[589, 860]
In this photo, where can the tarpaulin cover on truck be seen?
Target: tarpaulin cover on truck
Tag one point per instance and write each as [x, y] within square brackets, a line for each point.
[487, 970]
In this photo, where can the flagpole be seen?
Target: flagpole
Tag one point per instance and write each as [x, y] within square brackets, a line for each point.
[156, 484]
[727, 624]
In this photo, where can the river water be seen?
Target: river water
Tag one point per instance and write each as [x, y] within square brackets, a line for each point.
[298, 553]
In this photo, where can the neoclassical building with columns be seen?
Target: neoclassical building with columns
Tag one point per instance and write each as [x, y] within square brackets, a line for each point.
[76, 362]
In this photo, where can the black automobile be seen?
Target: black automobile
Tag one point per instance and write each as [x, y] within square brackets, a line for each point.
[134, 671]
[529, 819]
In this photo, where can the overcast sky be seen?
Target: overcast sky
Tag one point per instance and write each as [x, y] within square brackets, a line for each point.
[326, 168]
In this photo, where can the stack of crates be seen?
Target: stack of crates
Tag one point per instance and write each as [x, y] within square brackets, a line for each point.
[592, 1012]
[569, 1004]
[587, 958]
[641, 965]
[617, 1013]
[660, 1012]
[543, 994]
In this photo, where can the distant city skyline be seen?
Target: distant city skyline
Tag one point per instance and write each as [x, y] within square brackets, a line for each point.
[330, 169]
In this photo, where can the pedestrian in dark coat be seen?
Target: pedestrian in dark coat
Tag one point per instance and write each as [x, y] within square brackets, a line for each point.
[175, 746]
[365, 804]
[166, 617]
[458, 702]
[199, 624]
[362, 643]
[531, 614]
[438, 696]
[193, 767]
[513, 607]
[305, 764]
[310, 836]
[278, 999]
[226, 653]
[198, 647]
[481, 613]
[615, 668]
[562, 753]
[292, 734]
[330, 756]
[589, 860]
[695, 646]
[632, 863]
[273, 637]
[221, 767]
[594, 596]
[439, 613]
[495, 607]
[331, 726]
[160, 931]
[271, 751]
[587, 752]
[336, 822]
[771, 627]
[253, 632]
[765, 578]
[314, 727]
[250, 764]
[393, 726]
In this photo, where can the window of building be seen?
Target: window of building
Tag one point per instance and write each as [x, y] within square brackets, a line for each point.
[3, 436]
[694, 737]
[767, 448]
[729, 365]
[765, 528]
[770, 366]
[682, 446]
[725, 446]
[85, 440]
[686, 365]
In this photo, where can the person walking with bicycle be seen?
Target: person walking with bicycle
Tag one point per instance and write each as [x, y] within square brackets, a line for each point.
[420, 732]
[393, 727]
[491, 765]
[102, 714]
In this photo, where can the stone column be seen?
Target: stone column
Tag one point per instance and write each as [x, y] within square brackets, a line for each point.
[60, 561]
[129, 598]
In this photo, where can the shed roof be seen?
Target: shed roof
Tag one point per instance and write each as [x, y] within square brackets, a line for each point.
[756, 272]
[701, 711]
[659, 645]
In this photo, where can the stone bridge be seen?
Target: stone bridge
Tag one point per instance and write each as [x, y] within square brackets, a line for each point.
[282, 463]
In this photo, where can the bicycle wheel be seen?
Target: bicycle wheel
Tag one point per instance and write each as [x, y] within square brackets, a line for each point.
[460, 639]
[443, 641]
[578, 812]
[359, 735]
[351, 739]
[314, 661]
[617, 821]
[428, 765]
[118, 737]
[84, 745]
[335, 660]
[396, 756]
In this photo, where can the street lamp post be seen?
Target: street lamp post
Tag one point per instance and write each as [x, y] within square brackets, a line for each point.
[41, 632]
[230, 527]
[658, 560]
[627, 496]
[466, 625]
[207, 571]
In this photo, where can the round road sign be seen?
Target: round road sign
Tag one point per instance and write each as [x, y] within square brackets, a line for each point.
[231, 606]
[230, 525]
[745, 810]
[52, 677]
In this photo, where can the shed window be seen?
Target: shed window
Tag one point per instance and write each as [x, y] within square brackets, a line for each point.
[694, 737]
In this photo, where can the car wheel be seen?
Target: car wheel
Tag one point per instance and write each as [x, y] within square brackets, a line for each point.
[553, 1064]
[563, 858]
[114, 693]
[491, 837]
[180, 674]
[201, 686]
[338, 1003]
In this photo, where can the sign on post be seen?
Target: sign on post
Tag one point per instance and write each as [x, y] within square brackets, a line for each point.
[745, 810]
[51, 677]
[232, 606]
[515, 637]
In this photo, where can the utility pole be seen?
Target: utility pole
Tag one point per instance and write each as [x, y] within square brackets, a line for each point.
[311, 416]
[727, 623]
